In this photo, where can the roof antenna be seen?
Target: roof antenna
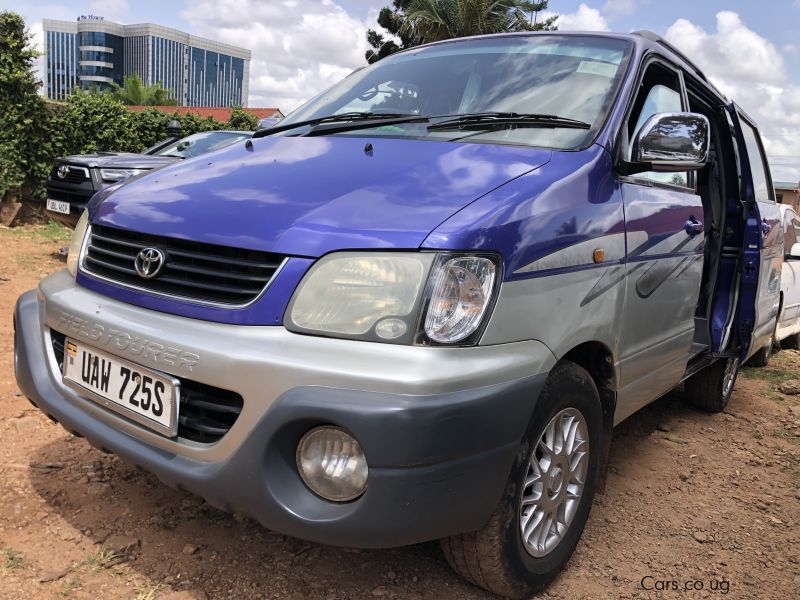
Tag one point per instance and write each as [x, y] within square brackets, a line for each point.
[368, 149]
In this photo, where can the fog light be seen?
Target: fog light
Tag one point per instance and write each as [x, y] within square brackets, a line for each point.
[332, 464]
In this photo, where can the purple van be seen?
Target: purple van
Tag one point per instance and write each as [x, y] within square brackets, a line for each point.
[416, 308]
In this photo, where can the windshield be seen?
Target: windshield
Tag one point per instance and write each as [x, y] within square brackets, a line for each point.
[574, 77]
[200, 143]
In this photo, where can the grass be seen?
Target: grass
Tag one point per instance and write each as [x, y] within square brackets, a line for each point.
[100, 560]
[69, 586]
[50, 231]
[782, 367]
[11, 559]
[773, 374]
[147, 591]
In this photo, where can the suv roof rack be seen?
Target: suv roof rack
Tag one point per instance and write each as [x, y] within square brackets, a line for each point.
[654, 37]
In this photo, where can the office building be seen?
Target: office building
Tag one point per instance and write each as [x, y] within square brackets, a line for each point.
[93, 52]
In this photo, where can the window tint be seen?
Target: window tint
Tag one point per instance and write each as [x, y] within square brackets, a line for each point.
[660, 93]
[576, 77]
[200, 143]
[761, 186]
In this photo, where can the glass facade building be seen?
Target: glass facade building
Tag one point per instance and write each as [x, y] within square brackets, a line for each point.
[92, 52]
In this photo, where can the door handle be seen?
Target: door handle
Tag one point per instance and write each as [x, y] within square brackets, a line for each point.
[765, 227]
[693, 227]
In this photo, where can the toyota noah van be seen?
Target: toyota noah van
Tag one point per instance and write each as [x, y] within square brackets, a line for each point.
[416, 308]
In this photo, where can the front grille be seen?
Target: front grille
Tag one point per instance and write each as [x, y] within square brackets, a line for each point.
[193, 271]
[78, 200]
[75, 175]
[205, 414]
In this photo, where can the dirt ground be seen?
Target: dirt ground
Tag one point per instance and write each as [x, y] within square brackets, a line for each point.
[708, 503]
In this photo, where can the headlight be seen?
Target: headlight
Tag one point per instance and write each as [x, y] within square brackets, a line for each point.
[369, 296]
[332, 464]
[461, 292]
[76, 243]
[397, 297]
[119, 174]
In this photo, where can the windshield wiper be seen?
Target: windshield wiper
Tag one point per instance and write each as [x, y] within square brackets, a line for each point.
[346, 122]
[506, 120]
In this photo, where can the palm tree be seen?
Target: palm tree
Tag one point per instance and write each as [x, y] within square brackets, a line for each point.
[134, 92]
[434, 20]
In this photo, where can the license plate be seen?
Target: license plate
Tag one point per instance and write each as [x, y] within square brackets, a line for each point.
[143, 395]
[58, 206]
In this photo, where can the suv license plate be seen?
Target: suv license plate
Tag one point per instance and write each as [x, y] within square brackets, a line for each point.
[58, 206]
[142, 395]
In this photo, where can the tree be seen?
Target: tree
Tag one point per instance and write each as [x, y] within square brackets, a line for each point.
[242, 120]
[417, 22]
[394, 21]
[25, 144]
[134, 92]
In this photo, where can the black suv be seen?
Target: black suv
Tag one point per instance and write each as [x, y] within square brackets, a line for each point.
[75, 179]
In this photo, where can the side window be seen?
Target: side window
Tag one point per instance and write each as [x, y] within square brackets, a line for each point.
[790, 223]
[796, 224]
[758, 169]
[660, 92]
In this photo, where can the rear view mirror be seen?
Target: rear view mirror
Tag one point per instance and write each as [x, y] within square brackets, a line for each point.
[794, 251]
[670, 142]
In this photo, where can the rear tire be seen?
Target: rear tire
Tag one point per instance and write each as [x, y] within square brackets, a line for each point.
[761, 358]
[711, 388]
[500, 557]
[792, 342]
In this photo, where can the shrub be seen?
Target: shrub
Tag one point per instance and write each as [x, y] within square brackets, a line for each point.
[242, 120]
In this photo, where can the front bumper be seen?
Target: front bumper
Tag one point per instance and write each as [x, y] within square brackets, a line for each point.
[440, 427]
[77, 195]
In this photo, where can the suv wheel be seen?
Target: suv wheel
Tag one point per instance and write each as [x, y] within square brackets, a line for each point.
[761, 358]
[539, 520]
[711, 388]
[792, 342]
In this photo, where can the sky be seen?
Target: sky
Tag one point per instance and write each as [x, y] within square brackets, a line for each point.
[750, 50]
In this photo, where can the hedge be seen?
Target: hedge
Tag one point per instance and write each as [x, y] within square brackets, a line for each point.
[91, 122]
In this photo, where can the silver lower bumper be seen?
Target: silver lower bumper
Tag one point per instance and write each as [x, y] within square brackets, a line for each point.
[261, 363]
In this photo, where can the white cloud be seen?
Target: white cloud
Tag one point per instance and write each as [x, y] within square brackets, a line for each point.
[750, 70]
[109, 9]
[583, 19]
[300, 47]
[620, 7]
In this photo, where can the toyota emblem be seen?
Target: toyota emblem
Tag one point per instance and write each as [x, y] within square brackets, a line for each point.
[149, 262]
[62, 172]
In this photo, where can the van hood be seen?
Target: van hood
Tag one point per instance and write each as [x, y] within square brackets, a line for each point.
[307, 196]
[119, 160]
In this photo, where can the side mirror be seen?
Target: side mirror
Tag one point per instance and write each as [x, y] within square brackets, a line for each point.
[670, 142]
[794, 251]
[174, 128]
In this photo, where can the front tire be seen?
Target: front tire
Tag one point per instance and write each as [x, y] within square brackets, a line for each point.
[539, 520]
[711, 389]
